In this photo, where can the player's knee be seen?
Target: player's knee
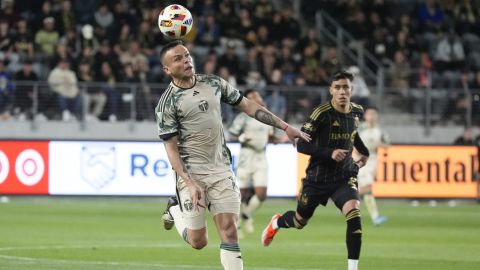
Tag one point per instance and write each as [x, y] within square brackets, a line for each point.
[198, 243]
[262, 197]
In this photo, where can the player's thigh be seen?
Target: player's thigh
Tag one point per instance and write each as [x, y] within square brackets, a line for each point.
[311, 195]
[345, 192]
[366, 175]
[223, 196]
[194, 219]
[260, 175]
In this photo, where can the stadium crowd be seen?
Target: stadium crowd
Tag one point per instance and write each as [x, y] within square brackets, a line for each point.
[256, 44]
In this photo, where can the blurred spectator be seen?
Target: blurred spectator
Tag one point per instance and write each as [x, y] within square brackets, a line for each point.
[123, 40]
[263, 11]
[331, 63]
[466, 138]
[449, 59]
[94, 98]
[85, 10]
[475, 88]
[6, 92]
[133, 56]
[87, 38]
[466, 17]
[39, 20]
[107, 76]
[104, 22]
[404, 44]
[379, 45]
[24, 93]
[252, 62]
[231, 60]
[399, 73]
[360, 93]
[208, 32]
[246, 28]
[311, 40]
[130, 95]
[61, 53]
[6, 41]
[23, 41]
[106, 54]
[66, 18]
[424, 71]
[123, 16]
[229, 21]
[430, 16]
[8, 12]
[358, 27]
[72, 43]
[47, 37]
[146, 40]
[63, 81]
[268, 60]
[289, 24]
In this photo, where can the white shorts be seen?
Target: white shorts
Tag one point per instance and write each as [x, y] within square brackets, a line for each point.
[220, 194]
[252, 168]
[366, 175]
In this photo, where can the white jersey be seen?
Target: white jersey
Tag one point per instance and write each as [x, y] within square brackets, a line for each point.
[194, 115]
[373, 137]
[257, 132]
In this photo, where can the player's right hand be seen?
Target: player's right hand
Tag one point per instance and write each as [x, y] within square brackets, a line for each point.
[294, 133]
[339, 154]
[195, 194]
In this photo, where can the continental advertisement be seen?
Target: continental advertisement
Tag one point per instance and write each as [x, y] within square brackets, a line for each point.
[142, 168]
[427, 171]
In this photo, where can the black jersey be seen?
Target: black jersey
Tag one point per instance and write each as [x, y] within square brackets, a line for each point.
[330, 130]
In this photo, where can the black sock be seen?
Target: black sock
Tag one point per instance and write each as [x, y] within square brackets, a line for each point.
[354, 234]
[289, 220]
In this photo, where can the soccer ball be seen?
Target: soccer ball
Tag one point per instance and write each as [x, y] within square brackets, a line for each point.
[175, 21]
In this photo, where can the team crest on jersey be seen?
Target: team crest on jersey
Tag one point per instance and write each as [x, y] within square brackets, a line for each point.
[357, 121]
[188, 205]
[203, 106]
[308, 127]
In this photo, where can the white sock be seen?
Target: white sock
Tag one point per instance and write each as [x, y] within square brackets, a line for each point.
[231, 257]
[252, 206]
[352, 264]
[179, 224]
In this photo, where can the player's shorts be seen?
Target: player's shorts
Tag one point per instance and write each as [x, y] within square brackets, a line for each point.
[252, 166]
[314, 193]
[220, 194]
[366, 175]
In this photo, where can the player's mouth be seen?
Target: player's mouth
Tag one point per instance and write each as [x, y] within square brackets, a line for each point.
[189, 68]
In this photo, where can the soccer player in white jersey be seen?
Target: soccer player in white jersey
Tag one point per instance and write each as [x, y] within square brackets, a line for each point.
[252, 167]
[373, 137]
[189, 122]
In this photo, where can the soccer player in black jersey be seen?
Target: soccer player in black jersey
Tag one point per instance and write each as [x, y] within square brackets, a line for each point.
[331, 172]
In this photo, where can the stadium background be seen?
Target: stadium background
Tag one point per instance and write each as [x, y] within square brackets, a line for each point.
[427, 93]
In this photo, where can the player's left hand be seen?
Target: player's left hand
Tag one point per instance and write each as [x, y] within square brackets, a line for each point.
[362, 161]
[294, 133]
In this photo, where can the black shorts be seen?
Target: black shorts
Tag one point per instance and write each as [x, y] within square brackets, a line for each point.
[315, 193]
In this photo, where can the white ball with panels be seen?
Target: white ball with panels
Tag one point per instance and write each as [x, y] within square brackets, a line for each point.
[175, 21]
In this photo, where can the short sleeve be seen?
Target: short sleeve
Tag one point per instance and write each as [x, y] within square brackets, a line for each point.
[230, 94]
[165, 114]
[238, 125]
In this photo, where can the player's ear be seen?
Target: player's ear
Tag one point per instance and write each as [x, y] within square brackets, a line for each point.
[166, 70]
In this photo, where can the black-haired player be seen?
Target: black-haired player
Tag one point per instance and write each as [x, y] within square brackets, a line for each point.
[331, 172]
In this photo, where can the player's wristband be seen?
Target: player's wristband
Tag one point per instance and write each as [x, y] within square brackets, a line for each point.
[286, 127]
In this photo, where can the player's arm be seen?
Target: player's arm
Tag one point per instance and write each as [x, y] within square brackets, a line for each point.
[171, 146]
[362, 150]
[263, 115]
[311, 127]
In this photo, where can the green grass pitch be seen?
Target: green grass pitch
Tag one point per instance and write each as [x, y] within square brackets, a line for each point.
[126, 233]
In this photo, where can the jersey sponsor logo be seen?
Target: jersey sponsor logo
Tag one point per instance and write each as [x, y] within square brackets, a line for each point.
[98, 166]
[203, 106]
[339, 136]
[335, 124]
